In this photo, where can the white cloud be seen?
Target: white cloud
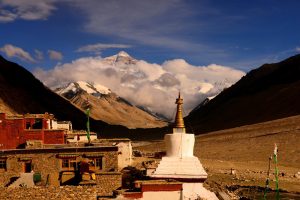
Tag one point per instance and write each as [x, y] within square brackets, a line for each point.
[26, 10]
[14, 51]
[7, 16]
[55, 55]
[150, 85]
[99, 47]
[38, 54]
[297, 49]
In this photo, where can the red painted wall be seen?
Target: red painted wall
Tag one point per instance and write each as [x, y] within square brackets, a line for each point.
[10, 130]
[161, 187]
[13, 133]
[54, 137]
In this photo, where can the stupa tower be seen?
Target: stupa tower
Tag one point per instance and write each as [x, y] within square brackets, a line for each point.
[180, 162]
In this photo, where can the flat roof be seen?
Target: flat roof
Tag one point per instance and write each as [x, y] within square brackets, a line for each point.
[59, 149]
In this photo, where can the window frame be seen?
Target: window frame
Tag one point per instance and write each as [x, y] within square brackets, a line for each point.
[69, 162]
[96, 163]
[3, 164]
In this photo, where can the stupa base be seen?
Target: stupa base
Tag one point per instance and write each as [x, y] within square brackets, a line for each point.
[187, 169]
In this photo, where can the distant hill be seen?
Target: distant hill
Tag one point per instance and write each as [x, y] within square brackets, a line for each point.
[270, 92]
[107, 106]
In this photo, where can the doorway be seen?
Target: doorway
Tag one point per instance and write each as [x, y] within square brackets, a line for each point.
[27, 167]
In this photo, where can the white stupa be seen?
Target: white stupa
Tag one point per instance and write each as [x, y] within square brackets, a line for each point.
[180, 163]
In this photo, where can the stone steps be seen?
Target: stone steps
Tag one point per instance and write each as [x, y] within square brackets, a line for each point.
[187, 166]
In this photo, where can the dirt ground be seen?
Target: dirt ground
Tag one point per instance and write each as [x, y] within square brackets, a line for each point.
[240, 156]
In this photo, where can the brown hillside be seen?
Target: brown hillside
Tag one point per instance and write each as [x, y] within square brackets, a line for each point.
[267, 93]
[113, 110]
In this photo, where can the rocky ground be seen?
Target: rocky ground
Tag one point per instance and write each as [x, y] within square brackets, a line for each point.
[237, 159]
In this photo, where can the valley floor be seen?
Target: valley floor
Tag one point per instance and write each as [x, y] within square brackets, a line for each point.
[245, 151]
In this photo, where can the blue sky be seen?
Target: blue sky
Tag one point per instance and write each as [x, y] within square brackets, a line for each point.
[234, 33]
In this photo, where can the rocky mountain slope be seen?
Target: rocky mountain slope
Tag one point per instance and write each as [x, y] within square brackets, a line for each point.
[270, 92]
[107, 106]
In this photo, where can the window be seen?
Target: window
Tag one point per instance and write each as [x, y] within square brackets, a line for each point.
[3, 164]
[96, 163]
[65, 163]
[38, 124]
[68, 164]
[28, 126]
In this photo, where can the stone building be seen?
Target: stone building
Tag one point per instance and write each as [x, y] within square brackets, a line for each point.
[92, 165]
[123, 144]
[67, 125]
[124, 150]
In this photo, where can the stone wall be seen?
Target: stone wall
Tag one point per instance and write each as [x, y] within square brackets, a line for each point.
[49, 165]
[46, 164]
[109, 181]
[110, 162]
[53, 193]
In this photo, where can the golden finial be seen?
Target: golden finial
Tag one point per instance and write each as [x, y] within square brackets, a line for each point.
[179, 123]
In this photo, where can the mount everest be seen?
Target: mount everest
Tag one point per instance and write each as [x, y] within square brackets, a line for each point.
[149, 86]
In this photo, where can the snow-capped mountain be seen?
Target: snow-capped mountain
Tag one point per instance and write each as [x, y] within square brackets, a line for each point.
[121, 57]
[107, 106]
[147, 85]
[71, 89]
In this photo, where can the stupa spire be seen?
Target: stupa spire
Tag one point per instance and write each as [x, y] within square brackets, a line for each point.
[179, 123]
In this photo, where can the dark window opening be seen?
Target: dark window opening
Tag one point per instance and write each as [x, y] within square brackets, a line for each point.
[38, 124]
[65, 163]
[28, 125]
[27, 167]
[3, 164]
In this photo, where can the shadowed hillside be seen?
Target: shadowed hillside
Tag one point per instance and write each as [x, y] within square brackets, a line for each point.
[22, 93]
[267, 93]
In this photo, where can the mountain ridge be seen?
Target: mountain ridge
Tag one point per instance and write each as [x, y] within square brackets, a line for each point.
[22, 93]
[269, 92]
[107, 106]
